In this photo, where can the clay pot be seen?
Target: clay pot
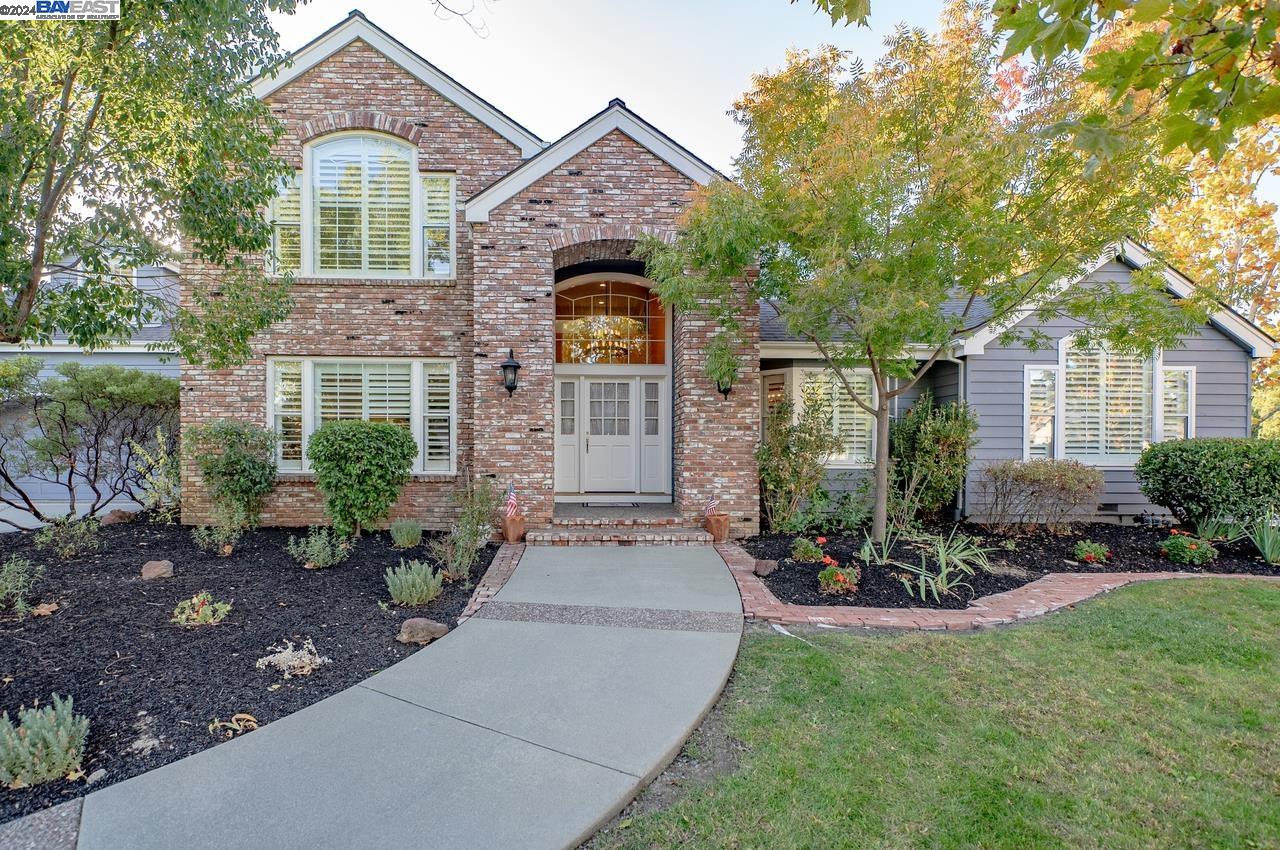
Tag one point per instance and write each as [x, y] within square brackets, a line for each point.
[718, 525]
[513, 528]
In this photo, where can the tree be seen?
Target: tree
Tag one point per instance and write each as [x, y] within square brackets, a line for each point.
[78, 431]
[893, 212]
[1213, 65]
[116, 137]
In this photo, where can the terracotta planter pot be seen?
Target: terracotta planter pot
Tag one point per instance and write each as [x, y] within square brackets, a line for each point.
[718, 525]
[513, 528]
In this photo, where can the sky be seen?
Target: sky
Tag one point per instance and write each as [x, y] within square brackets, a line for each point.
[551, 64]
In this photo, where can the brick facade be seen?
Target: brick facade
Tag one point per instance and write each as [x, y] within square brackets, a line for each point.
[593, 207]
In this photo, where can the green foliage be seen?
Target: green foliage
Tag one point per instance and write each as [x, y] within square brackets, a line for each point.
[1200, 478]
[200, 610]
[161, 471]
[792, 459]
[1019, 494]
[69, 538]
[405, 533]
[477, 503]
[902, 208]
[361, 467]
[220, 539]
[845, 11]
[1092, 553]
[930, 447]
[1264, 534]
[414, 583]
[320, 549]
[77, 430]
[805, 550]
[852, 509]
[1188, 549]
[1210, 65]
[46, 744]
[839, 580]
[1217, 528]
[237, 464]
[17, 578]
[120, 135]
[944, 566]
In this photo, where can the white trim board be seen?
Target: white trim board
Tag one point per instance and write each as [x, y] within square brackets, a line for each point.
[615, 116]
[357, 26]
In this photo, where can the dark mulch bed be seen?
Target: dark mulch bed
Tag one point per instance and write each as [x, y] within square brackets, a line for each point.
[150, 688]
[1017, 561]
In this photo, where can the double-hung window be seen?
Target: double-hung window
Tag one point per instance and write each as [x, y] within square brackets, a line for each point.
[361, 208]
[418, 395]
[1103, 408]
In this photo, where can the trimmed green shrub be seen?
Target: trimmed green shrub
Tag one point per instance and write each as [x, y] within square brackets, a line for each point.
[805, 550]
[320, 549]
[792, 458]
[414, 583]
[1188, 549]
[46, 744]
[1200, 478]
[838, 580]
[361, 467]
[930, 446]
[69, 538]
[17, 577]
[405, 533]
[1018, 494]
[477, 501]
[1092, 553]
[238, 465]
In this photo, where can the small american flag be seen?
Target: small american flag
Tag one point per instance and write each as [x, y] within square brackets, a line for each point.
[511, 499]
[712, 504]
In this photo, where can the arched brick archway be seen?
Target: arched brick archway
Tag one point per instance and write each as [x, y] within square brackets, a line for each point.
[359, 120]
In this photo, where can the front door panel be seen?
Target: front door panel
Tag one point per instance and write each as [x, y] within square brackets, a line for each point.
[609, 440]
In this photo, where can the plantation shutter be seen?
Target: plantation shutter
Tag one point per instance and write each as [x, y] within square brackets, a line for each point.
[774, 393]
[286, 227]
[853, 425]
[1127, 397]
[1175, 395]
[363, 206]
[389, 393]
[437, 416]
[437, 224]
[1106, 406]
[1042, 412]
[287, 414]
[1082, 405]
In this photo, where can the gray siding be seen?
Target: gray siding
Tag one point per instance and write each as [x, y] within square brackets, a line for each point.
[993, 385]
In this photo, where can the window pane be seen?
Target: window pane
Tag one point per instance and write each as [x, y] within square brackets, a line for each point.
[286, 218]
[437, 406]
[362, 194]
[851, 423]
[1176, 400]
[287, 414]
[1107, 406]
[437, 224]
[1042, 392]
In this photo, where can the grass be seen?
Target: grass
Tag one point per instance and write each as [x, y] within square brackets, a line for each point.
[1147, 718]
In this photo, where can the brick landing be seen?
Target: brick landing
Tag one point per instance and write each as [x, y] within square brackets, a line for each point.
[1054, 591]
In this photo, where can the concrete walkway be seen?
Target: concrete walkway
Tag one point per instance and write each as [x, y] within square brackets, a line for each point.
[526, 727]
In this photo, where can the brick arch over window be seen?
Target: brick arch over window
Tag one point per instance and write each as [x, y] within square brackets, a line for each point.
[605, 242]
[359, 120]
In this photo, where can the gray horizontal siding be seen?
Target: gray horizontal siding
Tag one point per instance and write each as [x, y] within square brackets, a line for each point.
[993, 385]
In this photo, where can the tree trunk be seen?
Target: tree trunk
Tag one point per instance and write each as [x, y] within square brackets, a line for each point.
[880, 512]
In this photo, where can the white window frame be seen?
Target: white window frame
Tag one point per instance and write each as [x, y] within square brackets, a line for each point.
[1158, 369]
[417, 412]
[795, 380]
[416, 220]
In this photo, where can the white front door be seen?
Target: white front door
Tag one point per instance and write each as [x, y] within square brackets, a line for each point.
[609, 451]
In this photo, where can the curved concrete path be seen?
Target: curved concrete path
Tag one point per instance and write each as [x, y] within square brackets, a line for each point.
[527, 726]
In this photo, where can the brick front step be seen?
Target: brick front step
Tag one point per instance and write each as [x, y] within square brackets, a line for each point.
[618, 536]
[618, 522]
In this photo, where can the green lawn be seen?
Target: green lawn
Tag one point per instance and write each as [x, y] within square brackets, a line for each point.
[1147, 718]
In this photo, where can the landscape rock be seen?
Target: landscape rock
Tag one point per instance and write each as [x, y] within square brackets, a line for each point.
[118, 516]
[420, 630]
[157, 569]
[97, 776]
[763, 568]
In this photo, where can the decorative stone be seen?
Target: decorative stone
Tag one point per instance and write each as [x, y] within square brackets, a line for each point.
[420, 630]
[97, 776]
[763, 568]
[157, 569]
[118, 516]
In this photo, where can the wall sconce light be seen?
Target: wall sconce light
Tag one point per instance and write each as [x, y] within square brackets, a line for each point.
[509, 368]
[724, 385]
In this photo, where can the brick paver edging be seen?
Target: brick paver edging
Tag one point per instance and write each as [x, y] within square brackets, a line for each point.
[1054, 591]
[500, 569]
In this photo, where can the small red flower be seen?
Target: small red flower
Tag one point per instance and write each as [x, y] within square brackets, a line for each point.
[821, 541]
[1089, 557]
[841, 577]
[1194, 547]
[828, 560]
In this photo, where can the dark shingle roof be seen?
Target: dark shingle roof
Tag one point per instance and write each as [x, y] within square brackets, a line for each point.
[774, 329]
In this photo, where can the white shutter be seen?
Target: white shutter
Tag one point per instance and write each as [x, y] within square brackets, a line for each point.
[853, 425]
[286, 226]
[1127, 393]
[389, 210]
[1107, 406]
[362, 196]
[339, 391]
[1082, 405]
[286, 412]
[437, 224]
[389, 392]
[437, 416]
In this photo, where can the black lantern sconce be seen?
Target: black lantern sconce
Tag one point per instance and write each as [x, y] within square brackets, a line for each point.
[724, 385]
[509, 368]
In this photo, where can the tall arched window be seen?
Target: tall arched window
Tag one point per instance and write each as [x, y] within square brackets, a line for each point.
[362, 204]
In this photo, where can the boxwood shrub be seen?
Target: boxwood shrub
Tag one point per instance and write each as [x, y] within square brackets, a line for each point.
[361, 467]
[1232, 477]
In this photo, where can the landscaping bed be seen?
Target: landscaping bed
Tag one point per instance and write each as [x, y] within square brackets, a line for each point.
[1015, 561]
[150, 688]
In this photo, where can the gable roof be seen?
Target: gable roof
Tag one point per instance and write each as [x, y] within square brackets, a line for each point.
[357, 26]
[615, 116]
[1135, 255]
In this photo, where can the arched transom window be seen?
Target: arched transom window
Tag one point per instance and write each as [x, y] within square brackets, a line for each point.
[610, 322]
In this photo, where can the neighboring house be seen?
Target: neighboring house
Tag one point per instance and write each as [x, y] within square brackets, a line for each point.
[430, 236]
[140, 353]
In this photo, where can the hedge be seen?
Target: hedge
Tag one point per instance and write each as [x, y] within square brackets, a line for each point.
[1236, 478]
